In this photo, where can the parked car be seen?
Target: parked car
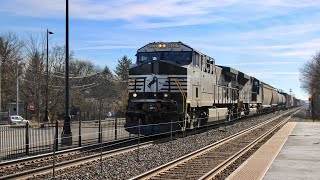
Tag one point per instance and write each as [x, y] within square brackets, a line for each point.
[17, 120]
[109, 114]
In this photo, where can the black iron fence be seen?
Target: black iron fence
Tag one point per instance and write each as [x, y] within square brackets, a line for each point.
[32, 139]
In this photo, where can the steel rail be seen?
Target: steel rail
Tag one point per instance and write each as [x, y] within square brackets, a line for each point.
[65, 151]
[73, 162]
[176, 162]
[224, 165]
[72, 151]
[61, 152]
[36, 158]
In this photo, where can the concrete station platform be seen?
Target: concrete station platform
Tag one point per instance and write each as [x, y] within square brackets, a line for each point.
[292, 153]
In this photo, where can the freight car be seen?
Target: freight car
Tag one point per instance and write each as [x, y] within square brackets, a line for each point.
[173, 86]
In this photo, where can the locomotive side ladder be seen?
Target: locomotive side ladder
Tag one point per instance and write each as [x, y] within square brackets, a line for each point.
[184, 100]
[184, 97]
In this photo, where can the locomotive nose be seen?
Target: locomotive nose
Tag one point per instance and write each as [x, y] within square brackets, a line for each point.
[158, 67]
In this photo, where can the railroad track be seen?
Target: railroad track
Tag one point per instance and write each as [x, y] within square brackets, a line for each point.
[9, 168]
[42, 164]
[36, 171]
[25, 164]
[208, 162]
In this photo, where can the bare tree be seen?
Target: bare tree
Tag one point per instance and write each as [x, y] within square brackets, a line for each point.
[93, 91]
[34, 79]
[10, 51]
[310, 74]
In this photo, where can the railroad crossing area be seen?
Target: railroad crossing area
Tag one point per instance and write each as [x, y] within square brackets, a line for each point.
[292, 153]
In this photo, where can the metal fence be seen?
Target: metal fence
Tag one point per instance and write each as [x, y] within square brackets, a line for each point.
[32, 139]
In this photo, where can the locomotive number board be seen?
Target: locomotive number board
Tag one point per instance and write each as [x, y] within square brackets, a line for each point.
[164, 45]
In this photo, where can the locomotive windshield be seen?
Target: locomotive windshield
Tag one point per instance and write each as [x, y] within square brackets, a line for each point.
[179, 57]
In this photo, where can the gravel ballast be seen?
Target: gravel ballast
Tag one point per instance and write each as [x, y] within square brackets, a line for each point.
[130, 164]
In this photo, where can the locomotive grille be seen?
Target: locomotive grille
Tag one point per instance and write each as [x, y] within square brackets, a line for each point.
[157, 83]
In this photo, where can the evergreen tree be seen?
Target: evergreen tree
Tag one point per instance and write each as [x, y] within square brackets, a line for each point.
[122, 69]
[122, 72]
[106, 71]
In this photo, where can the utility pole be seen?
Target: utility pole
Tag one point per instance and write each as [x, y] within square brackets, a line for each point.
[66, 133]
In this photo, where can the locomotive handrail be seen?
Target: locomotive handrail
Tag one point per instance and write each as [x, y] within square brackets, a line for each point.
[184, 101]
[184, 97]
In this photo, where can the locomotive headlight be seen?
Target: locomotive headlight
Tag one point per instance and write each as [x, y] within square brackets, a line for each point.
[134, 95]
[165, 95]
[162, 45]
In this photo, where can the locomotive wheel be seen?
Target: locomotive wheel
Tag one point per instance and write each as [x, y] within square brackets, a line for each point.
[246, 112]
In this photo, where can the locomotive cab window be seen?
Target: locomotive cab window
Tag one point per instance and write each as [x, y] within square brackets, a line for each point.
[179, 57]
[148, 56]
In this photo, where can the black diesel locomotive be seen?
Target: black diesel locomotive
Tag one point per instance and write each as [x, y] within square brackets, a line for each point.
[173, 86]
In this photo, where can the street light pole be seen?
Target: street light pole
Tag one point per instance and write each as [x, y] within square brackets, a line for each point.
[0, 89]
[67, 134]
[46, 115]
[17, 108]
